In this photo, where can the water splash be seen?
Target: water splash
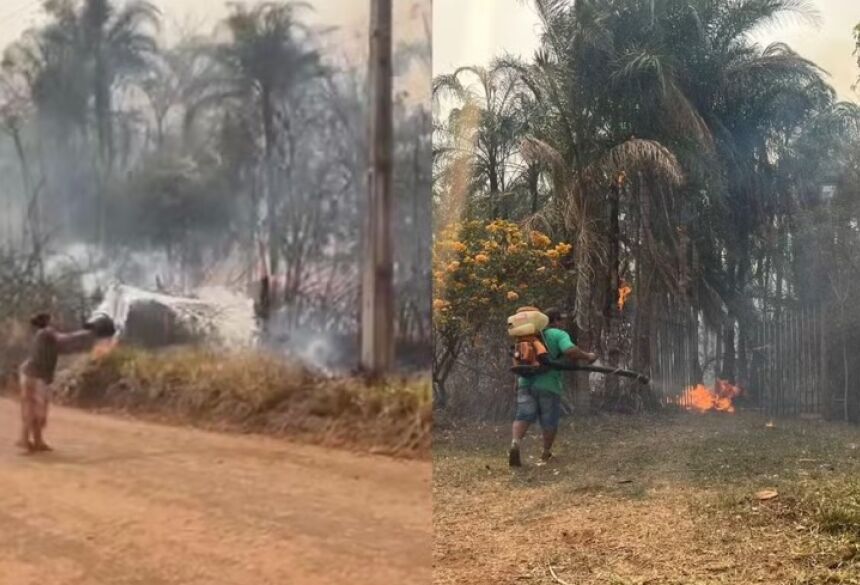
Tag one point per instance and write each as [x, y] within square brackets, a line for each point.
[215, 315]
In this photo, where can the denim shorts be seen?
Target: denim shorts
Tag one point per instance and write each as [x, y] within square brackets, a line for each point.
[534, 405]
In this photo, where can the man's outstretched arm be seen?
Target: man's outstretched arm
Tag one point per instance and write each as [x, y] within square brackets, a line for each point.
[575, 353]
[76, 342]
[571, 352]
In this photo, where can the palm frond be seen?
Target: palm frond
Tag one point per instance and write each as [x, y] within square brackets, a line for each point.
[639, 155]
[744, 17]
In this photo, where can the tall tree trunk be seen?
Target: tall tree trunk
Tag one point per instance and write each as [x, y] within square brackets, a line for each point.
[101, 90]
[271, 188]
[495, 210]
[613, 284]
[533, 179]
[743, 366]
[727, 372]
[31, 194]
[728, 369]
[693, 344]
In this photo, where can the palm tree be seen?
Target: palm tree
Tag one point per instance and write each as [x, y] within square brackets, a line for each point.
[176, 82]
[14, 113]
[487, 120]
[685, 75]
[659, 90]
[49, 71]
[268, 58]
[119, 43]
[76, 62]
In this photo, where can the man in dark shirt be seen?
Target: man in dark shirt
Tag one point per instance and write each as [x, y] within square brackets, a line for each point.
[37, 374]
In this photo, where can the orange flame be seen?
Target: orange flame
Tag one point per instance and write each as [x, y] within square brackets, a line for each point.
[703, 399]
[624, 291]
[103, 347]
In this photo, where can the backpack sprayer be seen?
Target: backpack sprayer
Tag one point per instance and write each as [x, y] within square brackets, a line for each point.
[529, 352]
[531, 357]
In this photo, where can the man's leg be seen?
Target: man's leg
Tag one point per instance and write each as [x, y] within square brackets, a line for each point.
[550, 413]
[41, 417]
[27, 390]
[526, 415]
[520, 429]
[548, 440]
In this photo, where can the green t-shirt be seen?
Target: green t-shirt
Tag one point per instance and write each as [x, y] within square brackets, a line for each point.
[557, 342]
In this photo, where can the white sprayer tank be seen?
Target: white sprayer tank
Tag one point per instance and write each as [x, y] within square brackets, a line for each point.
[526, 321]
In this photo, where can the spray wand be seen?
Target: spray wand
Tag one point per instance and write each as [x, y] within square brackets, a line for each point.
[573, 367]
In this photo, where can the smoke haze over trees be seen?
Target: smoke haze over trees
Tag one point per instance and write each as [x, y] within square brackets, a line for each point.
[209, 157]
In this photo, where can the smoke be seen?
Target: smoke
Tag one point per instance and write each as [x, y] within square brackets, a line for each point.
[183, 240]
[99, 270]
[220, 317]
[325, 353]
[308, 337]
[214, 316]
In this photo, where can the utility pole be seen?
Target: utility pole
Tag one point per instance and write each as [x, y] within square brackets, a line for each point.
[377, 294]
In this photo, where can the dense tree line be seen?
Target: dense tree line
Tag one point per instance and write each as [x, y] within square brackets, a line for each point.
[676, 155]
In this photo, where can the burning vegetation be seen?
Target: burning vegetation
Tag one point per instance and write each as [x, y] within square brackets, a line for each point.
[624, 291]
[700, 398]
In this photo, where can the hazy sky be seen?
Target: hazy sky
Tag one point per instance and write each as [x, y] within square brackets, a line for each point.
[468, 32]
[350, 16]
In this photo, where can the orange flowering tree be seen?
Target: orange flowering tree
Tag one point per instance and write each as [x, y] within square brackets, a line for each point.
[482, 272]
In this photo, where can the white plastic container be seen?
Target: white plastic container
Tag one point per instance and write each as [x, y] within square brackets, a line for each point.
[527, 321]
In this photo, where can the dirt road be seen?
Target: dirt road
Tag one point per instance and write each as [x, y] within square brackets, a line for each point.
[123, 502]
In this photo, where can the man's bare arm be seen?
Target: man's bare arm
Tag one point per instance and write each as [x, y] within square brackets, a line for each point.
[574, 353]
[79, 341]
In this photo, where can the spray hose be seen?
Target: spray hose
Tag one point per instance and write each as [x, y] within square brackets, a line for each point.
[601, 370]
[570, 367]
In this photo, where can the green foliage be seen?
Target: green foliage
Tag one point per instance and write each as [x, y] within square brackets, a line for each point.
[268, 49]
[26, 289]
[723, 146]
[483, 271]
[171, 200]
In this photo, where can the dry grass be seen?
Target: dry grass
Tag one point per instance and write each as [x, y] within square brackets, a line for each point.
[666, 499]
[252, 392]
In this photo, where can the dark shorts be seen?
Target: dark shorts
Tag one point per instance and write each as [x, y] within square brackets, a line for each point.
[534, 405]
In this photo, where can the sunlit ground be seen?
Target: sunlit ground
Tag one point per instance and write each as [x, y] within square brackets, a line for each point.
[669, 499]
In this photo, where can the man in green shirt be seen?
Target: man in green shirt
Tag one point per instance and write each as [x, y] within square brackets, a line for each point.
[539, 397]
